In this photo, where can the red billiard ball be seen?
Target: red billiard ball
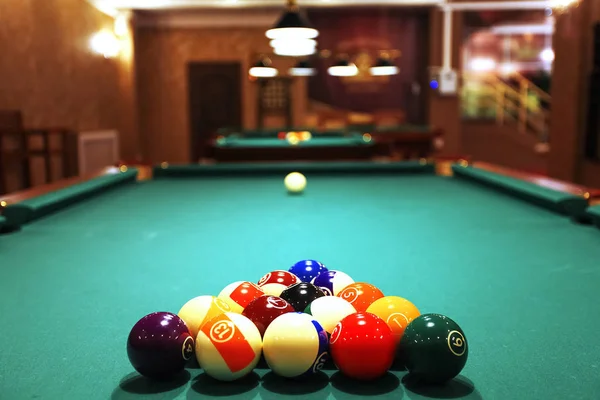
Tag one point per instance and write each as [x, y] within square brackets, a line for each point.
[263, 310]
[362, 346]
[159, 345]
[276, 282]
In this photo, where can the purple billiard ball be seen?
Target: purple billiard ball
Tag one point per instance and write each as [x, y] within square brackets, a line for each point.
[159, 345]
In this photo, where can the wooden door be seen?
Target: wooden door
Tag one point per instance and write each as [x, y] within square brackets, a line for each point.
[215, 101]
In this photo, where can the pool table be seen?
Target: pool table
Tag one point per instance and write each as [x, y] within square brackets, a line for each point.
[352, 146]
[515, 263]
[272, 132]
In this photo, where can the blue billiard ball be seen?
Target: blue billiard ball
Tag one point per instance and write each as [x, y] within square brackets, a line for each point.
[307, 270]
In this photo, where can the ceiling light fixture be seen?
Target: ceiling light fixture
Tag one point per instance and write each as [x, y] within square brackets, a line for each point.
[263, 69]
[343, 67]
[303, 68]
[293, 30]
[294, 47]
[561, 6]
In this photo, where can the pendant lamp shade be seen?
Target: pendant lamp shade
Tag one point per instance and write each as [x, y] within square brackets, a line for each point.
[294, 47]
[343, 68]
[384, 67]
[263, 69]
[292, 25]
[303, 68]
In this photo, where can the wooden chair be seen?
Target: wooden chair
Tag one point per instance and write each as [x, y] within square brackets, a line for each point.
[20, 146]
[12, 149]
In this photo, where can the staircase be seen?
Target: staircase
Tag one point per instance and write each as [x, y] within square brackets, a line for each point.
[505, 120]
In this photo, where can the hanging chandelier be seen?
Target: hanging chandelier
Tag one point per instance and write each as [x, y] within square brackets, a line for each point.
[293, 35]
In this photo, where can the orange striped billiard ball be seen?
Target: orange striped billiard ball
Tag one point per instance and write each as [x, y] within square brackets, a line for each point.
[199, 310]
[228, 347]
[361, 295]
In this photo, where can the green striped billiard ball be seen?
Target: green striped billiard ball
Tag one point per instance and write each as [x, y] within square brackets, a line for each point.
[433, 348]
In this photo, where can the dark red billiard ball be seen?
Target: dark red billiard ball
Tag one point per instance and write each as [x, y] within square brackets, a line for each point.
[362, 346]
[263, 310]
[159, 345]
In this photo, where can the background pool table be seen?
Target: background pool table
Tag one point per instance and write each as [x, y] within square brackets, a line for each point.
[499, 255]
[407, 142]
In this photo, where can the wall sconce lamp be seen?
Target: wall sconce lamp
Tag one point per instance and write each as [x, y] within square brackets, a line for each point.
[108, 43]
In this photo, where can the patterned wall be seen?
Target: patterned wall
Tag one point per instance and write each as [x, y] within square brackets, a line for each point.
[162, 56]
[362, 34]
[49, 73]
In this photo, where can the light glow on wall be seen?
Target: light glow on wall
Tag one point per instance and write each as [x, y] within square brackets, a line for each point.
[105, 43]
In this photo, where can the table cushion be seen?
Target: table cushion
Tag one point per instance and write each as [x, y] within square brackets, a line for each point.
[275, 143]
[313, 168]
[38, 207]
[2, 221]
[560, 202]
[594, 212]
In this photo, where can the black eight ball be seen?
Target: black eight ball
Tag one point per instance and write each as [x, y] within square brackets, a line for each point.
[300, 295]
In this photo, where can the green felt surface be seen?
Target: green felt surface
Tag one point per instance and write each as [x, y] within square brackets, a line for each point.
[314, 142]
[554, 200]
[520, 280]
[41, 206]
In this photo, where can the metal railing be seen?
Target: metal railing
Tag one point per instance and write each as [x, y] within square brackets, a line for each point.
[511, 99]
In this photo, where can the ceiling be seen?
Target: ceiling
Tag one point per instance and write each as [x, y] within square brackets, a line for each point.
[108, 5]
[114, 7]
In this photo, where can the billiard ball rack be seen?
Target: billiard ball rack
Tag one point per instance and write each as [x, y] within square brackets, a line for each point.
[295, 323]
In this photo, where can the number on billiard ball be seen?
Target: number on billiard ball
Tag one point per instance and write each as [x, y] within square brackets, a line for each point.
[433, 348]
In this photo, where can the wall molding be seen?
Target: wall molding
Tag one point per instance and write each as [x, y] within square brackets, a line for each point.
[239, 18]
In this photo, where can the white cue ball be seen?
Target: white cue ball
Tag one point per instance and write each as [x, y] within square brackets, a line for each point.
[295, 182]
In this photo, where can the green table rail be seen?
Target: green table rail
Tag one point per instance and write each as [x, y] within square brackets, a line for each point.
[34, 208]
[560, 202]
[354, 140]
